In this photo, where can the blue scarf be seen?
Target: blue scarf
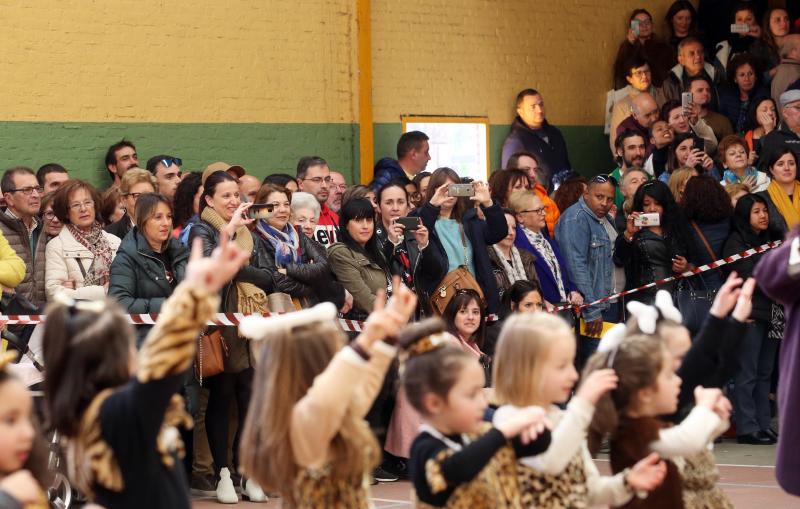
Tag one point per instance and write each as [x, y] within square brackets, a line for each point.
[286, 243]
[731, 178]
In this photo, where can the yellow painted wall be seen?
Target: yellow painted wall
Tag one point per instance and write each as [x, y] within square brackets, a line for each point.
[471, 57]
[178, 61]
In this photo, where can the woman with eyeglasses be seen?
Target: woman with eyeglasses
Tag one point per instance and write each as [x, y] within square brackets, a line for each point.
[532, 236]
[78, 260]
[52, 225]
[134, 183]
[650, 253]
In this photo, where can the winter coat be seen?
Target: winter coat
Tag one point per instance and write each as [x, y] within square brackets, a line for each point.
[120, 228]
[762, 305]
[32, 285]
[503, 283]
[546, 277]
[238, 353]
[359, 275]
[139, 279]
[69, 259]
[385, 171]
[480, 233]
[775, 141]
[552, 154]
[647, 258]
[12, 268]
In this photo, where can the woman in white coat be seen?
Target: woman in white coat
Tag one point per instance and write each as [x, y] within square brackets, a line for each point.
[78, 260]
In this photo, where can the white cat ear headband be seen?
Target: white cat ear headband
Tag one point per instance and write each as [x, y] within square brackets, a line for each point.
[257, 327]
[647, 317]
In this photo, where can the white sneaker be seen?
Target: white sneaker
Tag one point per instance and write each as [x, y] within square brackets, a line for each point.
[225, 492]
[253, 492]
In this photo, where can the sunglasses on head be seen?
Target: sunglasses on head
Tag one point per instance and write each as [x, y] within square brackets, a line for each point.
[604, 179]
[169, 161]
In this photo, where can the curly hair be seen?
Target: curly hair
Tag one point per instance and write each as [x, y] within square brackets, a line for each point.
[184, 197]
[706, 201]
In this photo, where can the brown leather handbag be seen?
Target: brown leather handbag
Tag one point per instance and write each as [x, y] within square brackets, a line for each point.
[455, 280]
[211, 352]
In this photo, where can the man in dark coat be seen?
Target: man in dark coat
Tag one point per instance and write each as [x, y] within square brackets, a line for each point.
[413, 154]
[531, 132]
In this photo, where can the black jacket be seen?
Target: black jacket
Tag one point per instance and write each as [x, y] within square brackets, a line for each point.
[553, 157]
[762, 305]
[481, 233]
[777, 140]
[138, 278]
[238, 353]
[120, 228]
[429, 265]
[311, 279]
[646, 259]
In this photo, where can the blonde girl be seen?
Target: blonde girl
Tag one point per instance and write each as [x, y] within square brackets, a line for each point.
[458, 460]
[534, 365]
[305, 435]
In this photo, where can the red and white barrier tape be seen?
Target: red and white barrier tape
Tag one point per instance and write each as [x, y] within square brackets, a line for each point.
[689, 273]
[232, 319]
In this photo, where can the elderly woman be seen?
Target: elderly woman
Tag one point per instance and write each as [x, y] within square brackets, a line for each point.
[509, 263]
[532, 237]
[298, 264]
[150, 262]
[305, 213]
[134, 183]
[78, 260]
[52, 225]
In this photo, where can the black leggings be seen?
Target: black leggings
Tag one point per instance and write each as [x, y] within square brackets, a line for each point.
[222, 390]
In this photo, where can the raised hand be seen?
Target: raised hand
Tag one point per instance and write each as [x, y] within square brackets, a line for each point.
[422, 236]
[647, 474]
[482, 194]
[440, 195]
[213, 272]
[596, 384]
[744, 302]
[387, 318]
[238, 219]
[727, 296]
[707, 398]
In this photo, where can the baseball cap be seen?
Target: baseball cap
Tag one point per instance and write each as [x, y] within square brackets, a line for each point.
[789, 96]
[220, 166]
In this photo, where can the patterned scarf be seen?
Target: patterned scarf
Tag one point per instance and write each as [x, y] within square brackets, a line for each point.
[546, 250]
[729, 177]
[402, 257]
[514, 271]
[286, 243]
[95, 241]
[251, 299]
[788, 208]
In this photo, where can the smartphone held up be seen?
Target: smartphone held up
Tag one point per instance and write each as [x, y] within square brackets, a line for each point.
[461, 190]
[260, 211]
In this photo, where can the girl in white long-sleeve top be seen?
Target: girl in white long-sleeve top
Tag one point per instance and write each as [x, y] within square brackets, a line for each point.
[534, 365]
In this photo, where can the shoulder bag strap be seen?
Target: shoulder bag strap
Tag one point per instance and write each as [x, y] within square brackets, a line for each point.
[705, 242]
[464, 244]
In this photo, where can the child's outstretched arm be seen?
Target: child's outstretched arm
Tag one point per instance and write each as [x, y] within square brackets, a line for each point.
[646, 475]
[697, 430]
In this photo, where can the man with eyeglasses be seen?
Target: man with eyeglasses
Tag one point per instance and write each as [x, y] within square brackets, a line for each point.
[586, 234]
[120, 157]
[338, 187]
[787, 134]
[167, 171]
[314, 177]
[639, 79]
[20, 225]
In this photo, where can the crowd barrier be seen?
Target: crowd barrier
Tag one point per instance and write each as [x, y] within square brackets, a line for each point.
[355, 326]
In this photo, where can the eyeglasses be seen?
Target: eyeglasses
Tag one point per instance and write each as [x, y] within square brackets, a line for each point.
[319, 180]
[50, 215]
[135, 196]
[27, 191]
[641, 74]
[540, 210]
[169, 161]
[88, 204]
[604, 179]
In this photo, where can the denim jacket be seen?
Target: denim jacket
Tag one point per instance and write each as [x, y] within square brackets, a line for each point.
[589, 253]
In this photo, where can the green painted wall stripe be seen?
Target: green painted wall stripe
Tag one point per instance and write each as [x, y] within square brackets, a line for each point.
[261, 148]
[587, 145]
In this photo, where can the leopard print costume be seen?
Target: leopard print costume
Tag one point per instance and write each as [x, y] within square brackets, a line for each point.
[566, 490]
[315, 488]
[168, 350]
[495, 487]
[700, 475]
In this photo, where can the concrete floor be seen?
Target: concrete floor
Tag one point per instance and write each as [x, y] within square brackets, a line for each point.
[747, 475]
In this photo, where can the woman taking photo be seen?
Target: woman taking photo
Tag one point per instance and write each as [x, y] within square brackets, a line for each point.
[684, 151]
[222, 211]
[756, 355]
[357, 260]
[783, 193]
[134, 183]
[78, 260]
[641, 41]
[408, 253]
[551, 269]
[297, 264]
[510, 264]
[653, 252]
[150, 263]
[460, 233]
